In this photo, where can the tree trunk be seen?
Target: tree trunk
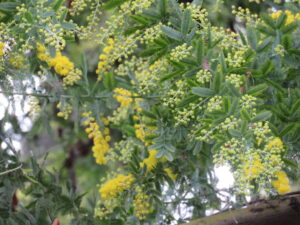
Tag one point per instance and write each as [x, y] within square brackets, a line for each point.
[282, 211]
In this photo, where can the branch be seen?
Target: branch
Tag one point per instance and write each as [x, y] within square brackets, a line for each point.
[282, 211]
[11, 170]
[74, 96]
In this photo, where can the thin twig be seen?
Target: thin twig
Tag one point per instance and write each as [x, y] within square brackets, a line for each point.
[11, 170]
[70, 96]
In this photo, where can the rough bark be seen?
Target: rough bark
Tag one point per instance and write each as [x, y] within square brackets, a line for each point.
[282, 211]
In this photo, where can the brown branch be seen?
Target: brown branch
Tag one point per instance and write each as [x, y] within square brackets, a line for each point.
[282, 211]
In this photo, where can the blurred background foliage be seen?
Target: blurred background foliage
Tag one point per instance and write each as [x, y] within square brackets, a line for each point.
[46, 166]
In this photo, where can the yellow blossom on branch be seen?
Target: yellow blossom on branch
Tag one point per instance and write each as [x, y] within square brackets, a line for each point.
[113, 187]
[282, 183]
[101, 145]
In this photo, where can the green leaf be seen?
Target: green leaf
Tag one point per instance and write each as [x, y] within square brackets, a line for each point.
[170, 32]
[200, 51]
[262, 116]
[266, 67]
[186, 21]
[289, 28]
[150, 51]
[281, 20]
[263, 47]
[226, 104]
[295, 106]
[268, 20]
[140, 19]
[149, 114]
[68, 26]
[187, 101]
[245, 115]
[233, 90]
[113, 4]
[287, 129]
[243, 38]
[235, 133]
[266, 30]
[171, 75]
[290, 163]
[287, 42]
[203, 92]
[57, 4]
[257, 90]
[274, 84]
[252, 37]
[162, 6]
[28, 16]
[217, 81]
[8, 7]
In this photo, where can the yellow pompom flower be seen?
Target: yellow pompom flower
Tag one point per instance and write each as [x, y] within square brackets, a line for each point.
[123, 96]
[255, 168]
[170, 173]
[62, 65]
[151, 161]
[290, 16]
[141, 204]
[101, 145]
[2, 45]
[113, 187]
[275, 143]
[282, 183]
[104, 62]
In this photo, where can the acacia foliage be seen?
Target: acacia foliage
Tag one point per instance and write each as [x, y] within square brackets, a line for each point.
[172, 76]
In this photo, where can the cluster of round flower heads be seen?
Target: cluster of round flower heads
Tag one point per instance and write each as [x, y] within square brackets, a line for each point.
[2, 45]
[35, 108]
[180, 52]
[101, 145]
[61, 64]
[291, 17]
[235, 79]
[151, 161]
[198, 13]
[123, 96]
[281, 184]
[17, 60]
[245, 15]
[141, 204]
[203, 76]
[236, 57]
[112, 188]
[104, 63]
[65, 110]
[111, 192]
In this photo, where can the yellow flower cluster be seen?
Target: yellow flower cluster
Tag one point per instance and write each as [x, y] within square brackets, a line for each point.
[61, 64]
[103, 64]
[255, 168]
[42, 53]
[101, 146]
[282, 183]
[170, 173]
[112, 188]
[141, 204]
[65, 110]
[151, 161]
[16, 60]
[123, 96]
[180, 52]
[274, 143]
[35, 108]
[2, 45]
[290, 16]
